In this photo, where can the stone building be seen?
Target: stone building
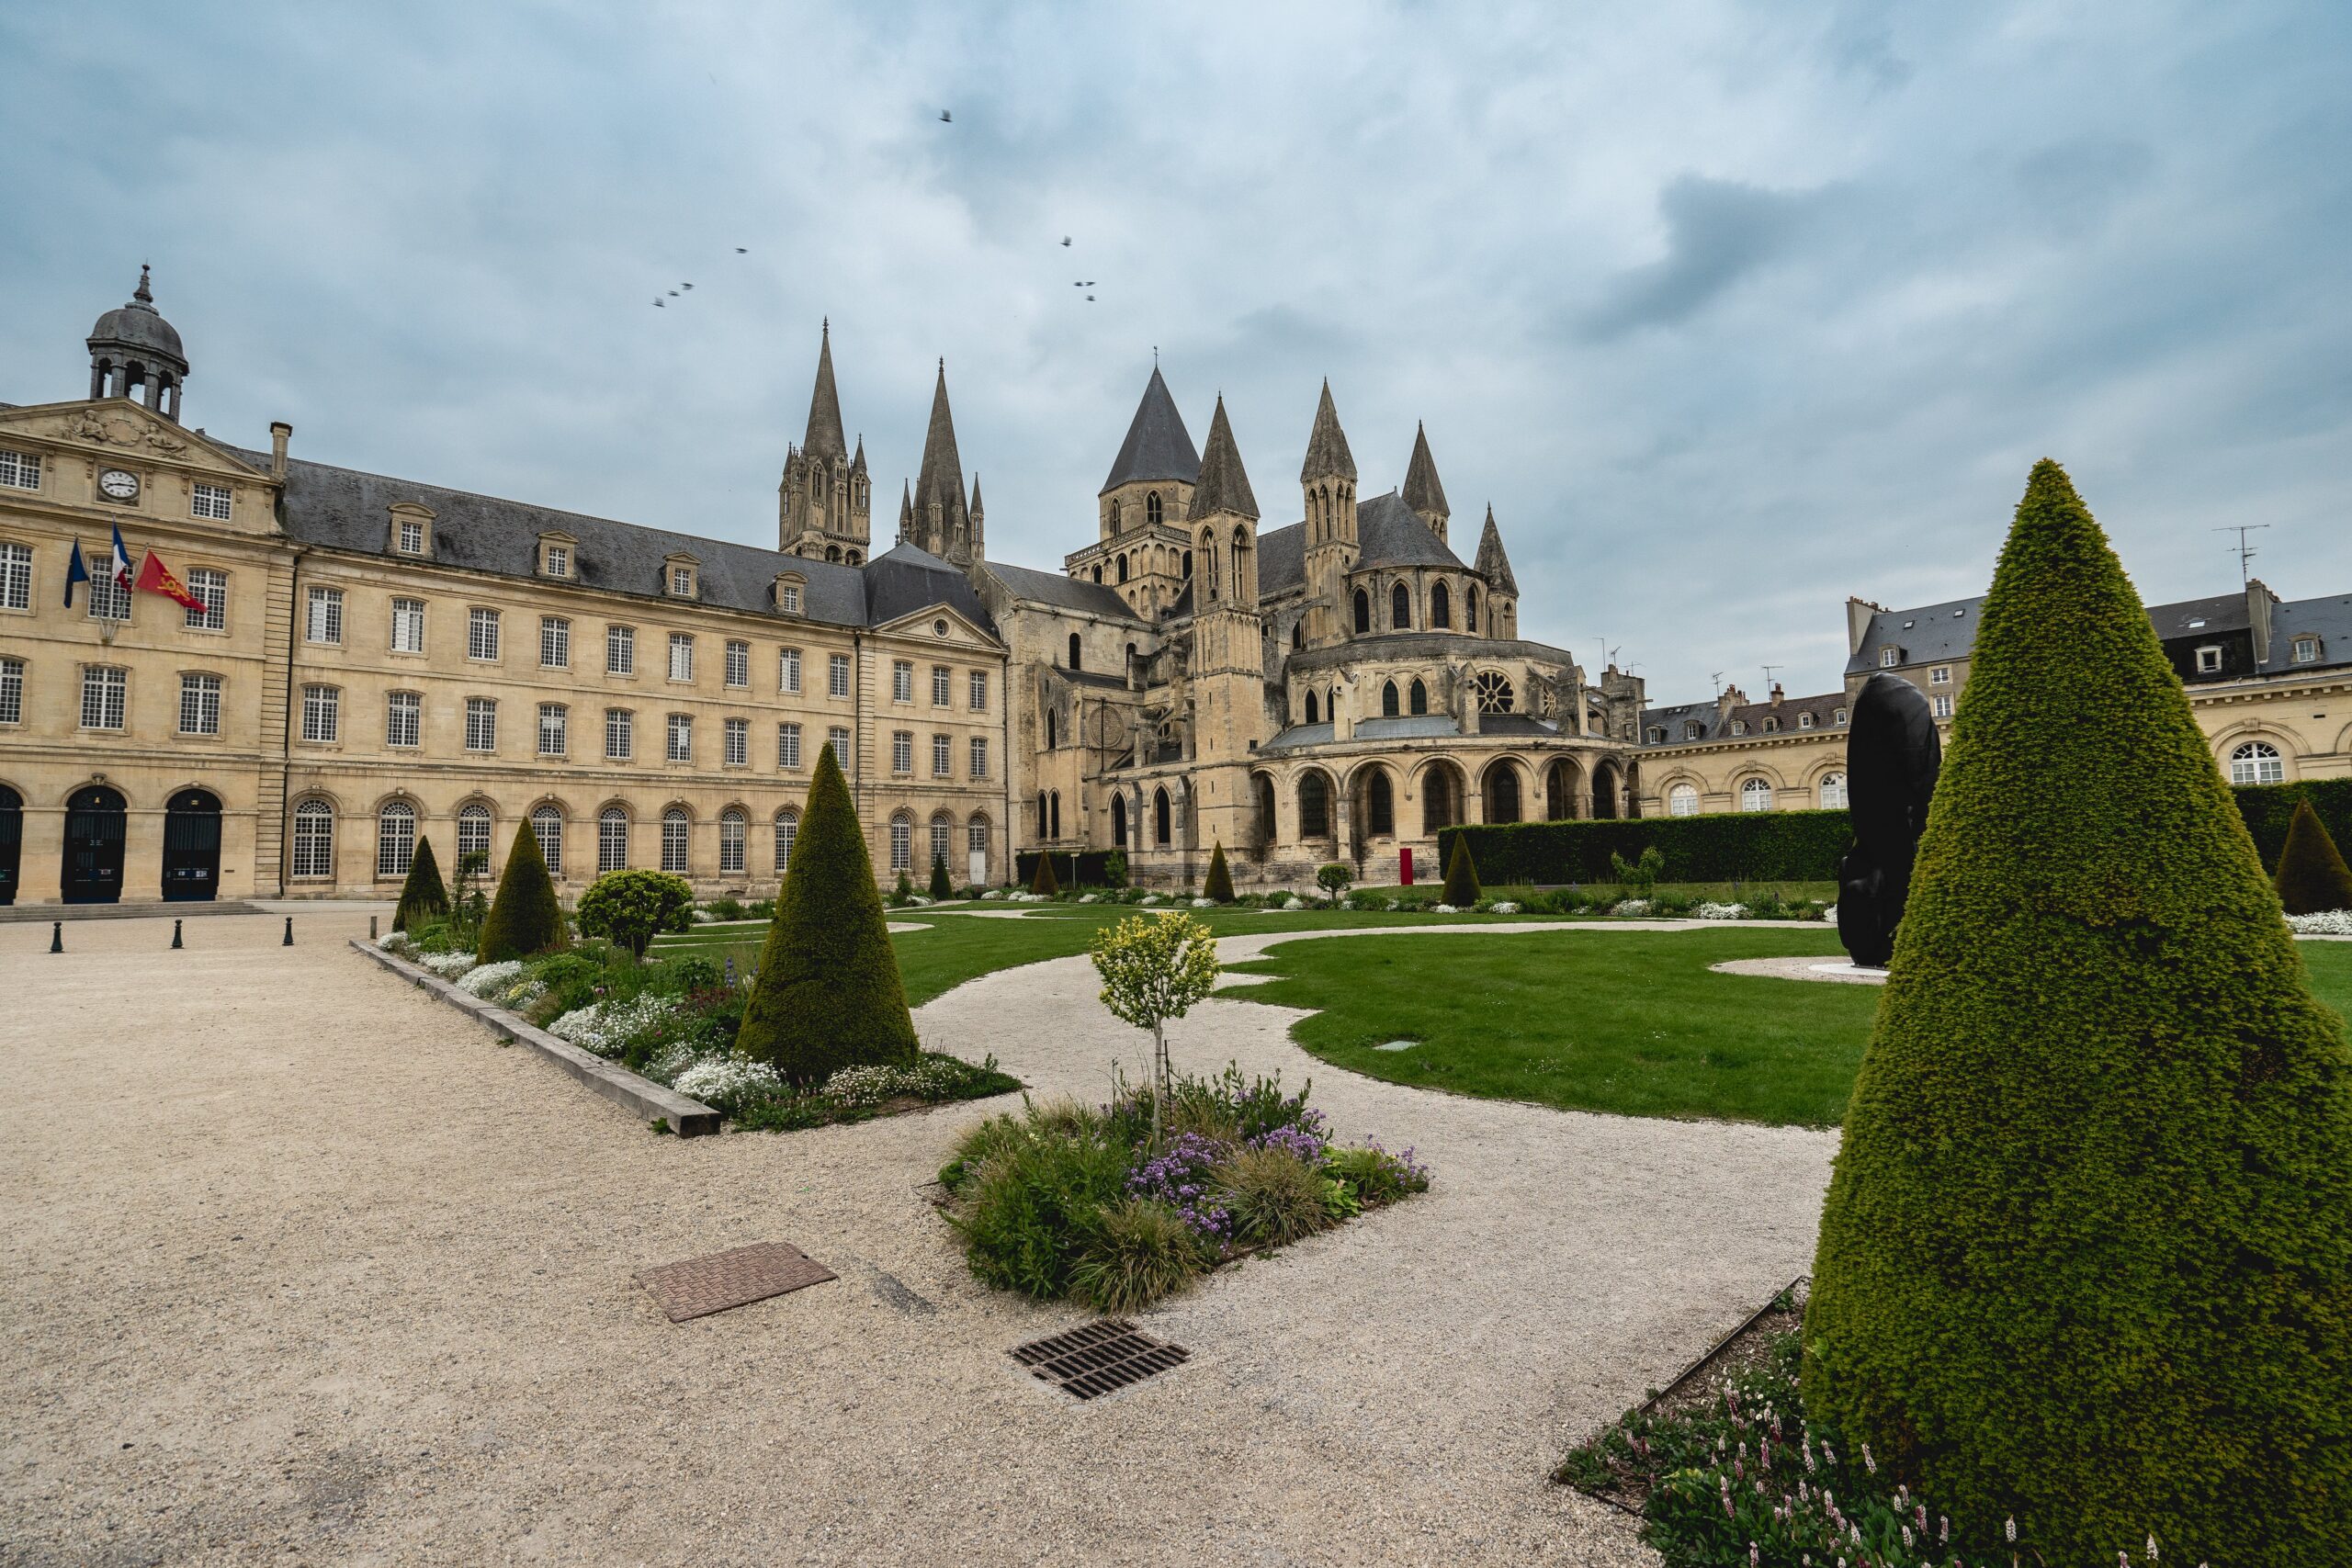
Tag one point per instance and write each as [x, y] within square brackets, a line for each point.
[377, 660]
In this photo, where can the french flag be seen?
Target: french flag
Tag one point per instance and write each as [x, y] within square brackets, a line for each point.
[119, 569]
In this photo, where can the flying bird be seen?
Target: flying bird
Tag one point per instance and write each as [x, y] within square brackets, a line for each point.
[673, 294]
[741, 252]
[1065, 242]
[1090, 299]
[657, 305]
[686, 286]
[946, 119]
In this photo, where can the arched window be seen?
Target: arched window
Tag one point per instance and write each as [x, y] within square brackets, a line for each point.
[1503, 793]
[1400, 608]
[1261, 789]
[1119, 821]
[674, 839]
[1756, 794]
[1045, 819]
[902, 843]
[1682, 800]
[1123, 570]
[473, 835]
[1114, 517]
[1388, 706]
[395, 838]
[730, 842]
[612, 840]
[1471, 622]
[1441, 607]
[1151, 508]
[1164, 825]
[1314, 806]
[314, 838]
[1380, 804]
[942, 839]
[1833, 791]
[2256, 762]
[1052, 731]
[1419, 698]
[546, 826]
[1208, 566]
[1363, 613]
[1054, 802]
[1098, 571]
[1244, 586]
[851, 559]
[1314, 709]
[1441, 802]
[787, 828]
[1188, 566]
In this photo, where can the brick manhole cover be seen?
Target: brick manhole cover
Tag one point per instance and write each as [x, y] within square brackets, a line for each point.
[700, 1286]
[1101, 1356]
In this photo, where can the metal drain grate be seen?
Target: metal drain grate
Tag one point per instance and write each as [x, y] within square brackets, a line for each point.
[700, 1286]
[1100, 1357]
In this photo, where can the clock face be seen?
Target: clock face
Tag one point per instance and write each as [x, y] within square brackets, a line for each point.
[118, 485]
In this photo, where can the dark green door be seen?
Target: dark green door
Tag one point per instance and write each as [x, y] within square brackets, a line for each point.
[192, 846]
[12, 840]
[94, 832]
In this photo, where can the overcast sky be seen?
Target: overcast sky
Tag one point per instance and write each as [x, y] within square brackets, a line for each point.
[1728, 310]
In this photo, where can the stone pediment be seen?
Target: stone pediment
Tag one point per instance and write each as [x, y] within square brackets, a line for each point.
[119, 428]
[925, 624]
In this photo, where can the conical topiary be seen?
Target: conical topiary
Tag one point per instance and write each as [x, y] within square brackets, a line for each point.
[828, 995]
[1461, 888]
[423, 897]
[524, 917]
[1219, 884]
[2311, 875]
[939, 885]
[1045, 882]
[2086, 1255]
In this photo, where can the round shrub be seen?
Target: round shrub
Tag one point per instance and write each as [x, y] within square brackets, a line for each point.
[1139, 1251]
[1273, 1196]
[629, 907]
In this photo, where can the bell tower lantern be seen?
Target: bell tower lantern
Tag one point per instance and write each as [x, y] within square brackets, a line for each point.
[135, 354]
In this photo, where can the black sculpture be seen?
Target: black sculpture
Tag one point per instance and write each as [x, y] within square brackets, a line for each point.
[1893, 755]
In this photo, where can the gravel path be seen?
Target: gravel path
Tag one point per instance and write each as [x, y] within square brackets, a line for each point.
[299, 1264]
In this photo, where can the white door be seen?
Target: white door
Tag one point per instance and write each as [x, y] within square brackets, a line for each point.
[979, 868]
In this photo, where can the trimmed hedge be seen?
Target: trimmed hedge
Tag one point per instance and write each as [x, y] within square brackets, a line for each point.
[2269, 811]
[2311, 877]
[1219, 884]
[2086, 1257]
[423, 896]
[1461, 888]
[1093, 869]
[525, 919]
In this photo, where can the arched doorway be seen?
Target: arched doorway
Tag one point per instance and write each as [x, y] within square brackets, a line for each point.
[1371, 808]
[92, 872]
[1604, 791]
[12, 840]
[192, 847]
[1118, 819]
[1560, 791]
[1314, 806]
[1263, 788]
[1503, 793]
[1162, 819]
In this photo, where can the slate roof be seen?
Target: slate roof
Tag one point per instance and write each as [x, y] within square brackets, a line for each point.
[1298, 735]
[824, 438]
[1061, 593]
[1929, 633]
[1224, 484]
[1716, 726]
[1493, 565]
[1281, 560]
[1157, 446]
[1409, 726]
[343, 508]
[1422, 490]
[2330, 620]
[1388, 532]
[2223, 613]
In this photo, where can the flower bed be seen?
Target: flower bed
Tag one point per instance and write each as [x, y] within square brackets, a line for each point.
[1064, 1200]
[2331, 923]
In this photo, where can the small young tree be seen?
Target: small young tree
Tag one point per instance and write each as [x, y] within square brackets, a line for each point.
[629, 907]
[1045, 882]
[939, 888]
[1154, 968]
[525, 919]
[1461, 888]
[423, 897]
[1219, 884]
[1335, 879]
[1114, 869]
[2311, 875]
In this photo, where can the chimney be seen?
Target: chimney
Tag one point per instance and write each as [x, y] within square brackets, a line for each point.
[279, 434]
[2258, 600]
[1776, 693]
[1857, 622]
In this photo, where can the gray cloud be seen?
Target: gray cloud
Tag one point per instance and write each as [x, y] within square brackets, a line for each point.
[1717, 231]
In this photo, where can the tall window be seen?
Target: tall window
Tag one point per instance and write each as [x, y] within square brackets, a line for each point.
[314, 838]
[407, 625]
[326, 622]
[976, 844]
[403, 718]
[16, 577]
[903, 750]
[837, 738]
[738, 735]
[1441, 607]
[979, 756]
[682, 582]
[12, 691]
[681, 657]
[481, 724]
[787, 828]
[482, 633]
[1941, 704]
[620, 650]
[902, 843]
[109, 600]
[1151, 508]
[943, 686]
[558, 560]
[942, 759]
[546, 826]
[681, 745]
[395, 838]
[1833, 791]
[1400, 608]
[210, 500]
[1420, 698]
[979, 695]
[199, 704]
[2255, 762]
[837, 675]
[1682, 800]
[322, 713]
[738, 664]
[1756, 794]
[674, 839]
[789, 670]
[730, 842]
[555, 643]
[787, 745]
[619, 735]
[612, 840]
[210, 586]
[553, 724]
[1470, 610]
[787, 598]
[1389, 706]
[902, 681]
[473, 834]
[20, 470]
[412, 536]
[942, 839]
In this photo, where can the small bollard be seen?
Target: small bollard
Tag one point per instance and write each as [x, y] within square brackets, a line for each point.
[371, 928]
[175, 934]
[57, 936]
[289, 932]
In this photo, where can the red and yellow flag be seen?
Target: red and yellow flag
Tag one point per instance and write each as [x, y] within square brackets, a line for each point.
[155, 577]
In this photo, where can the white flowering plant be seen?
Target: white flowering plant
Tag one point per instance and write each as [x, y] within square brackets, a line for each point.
[448, 965]
[1505, 908]
[1711, 911]
[485, 978]
[1632, 907]
[2328, 922]
[728, 1085]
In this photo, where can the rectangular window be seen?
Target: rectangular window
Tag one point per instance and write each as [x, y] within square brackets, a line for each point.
[837, 675]
[736, 734]
[787, 745]
[730, 842]
[16, 577]
[558, 560]
[682, 738]
[482, 633]
[943, 686]
[979, 756]
[979, 690]
[902, 681]
[546, 826]
[787, 598]
[681, 657]
[2209, 661]
[674, 841]
[210, 586]
[903, 750]
[412, 536]
[555, 643]
[407, 625]
[620, 650]
[325, 620]
[789, 670]
[551, 729]
[403, 718]
[19, 470]
[199, 704]
[2307, 651]
[902, 844]
[837, 738]
[738, 664]
[1939, 676]
[1943, 704]
[210, 500]
[12, 691]
[481, 724]
[103, 693]
[619, 735]
[1887, 656]
[109, 600]
[943, 758]
[322, 713]
[682, 582]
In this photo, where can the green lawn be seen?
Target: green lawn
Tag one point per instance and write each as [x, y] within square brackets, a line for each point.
[1719, 892]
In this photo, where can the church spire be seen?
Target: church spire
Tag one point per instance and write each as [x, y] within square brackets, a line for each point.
[1492, 564]
[943, 522]
[824, 438]
[1423, 493]
[1157, 446]
[1326, 444]
[1224, 484]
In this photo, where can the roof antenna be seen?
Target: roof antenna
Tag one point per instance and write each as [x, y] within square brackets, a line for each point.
[1768, 681]
[1718, 679]
[2245, 552]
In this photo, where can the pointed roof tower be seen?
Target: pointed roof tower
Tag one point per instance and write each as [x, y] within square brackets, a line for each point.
[906, 511]
[1157, 446]
[1224, 484]
[1493, 565]
[941, 479]
[1423, 493]
[824, 438]
[975, 495]
[857, 464]
[1326, 444]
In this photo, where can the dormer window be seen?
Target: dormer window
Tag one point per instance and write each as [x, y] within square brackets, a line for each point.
[2306, 650]
[1839, 717]
[678, 576]
[1889, 657]
[2209, 660]
[788, 594]
[1805, 721]
[1658, 735]
[1739, 727]
[1690, 729]
[555, 555]
[1772, 726]
[411, 529]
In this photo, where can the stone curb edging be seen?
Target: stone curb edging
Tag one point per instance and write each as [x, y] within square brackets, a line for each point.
[647, 1101]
